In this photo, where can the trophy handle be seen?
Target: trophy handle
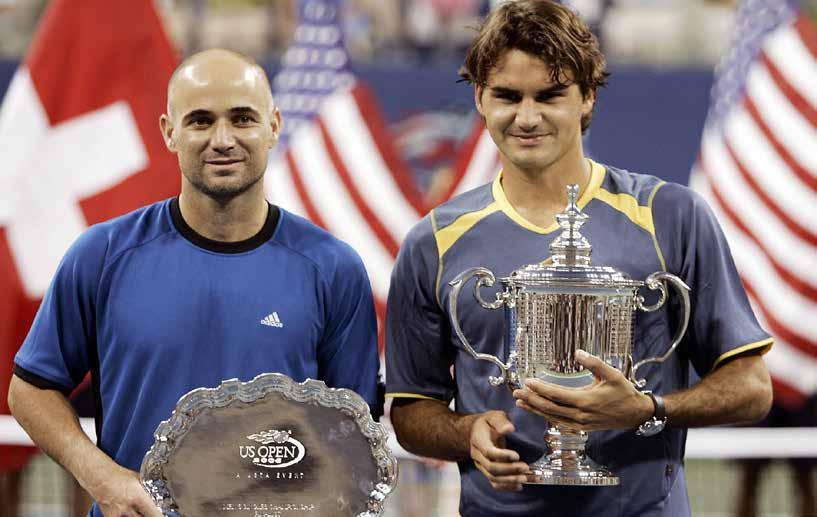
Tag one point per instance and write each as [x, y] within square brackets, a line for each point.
[484, 278]
[656, 281]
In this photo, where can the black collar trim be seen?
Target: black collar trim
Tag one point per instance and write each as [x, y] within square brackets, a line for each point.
[263, 235]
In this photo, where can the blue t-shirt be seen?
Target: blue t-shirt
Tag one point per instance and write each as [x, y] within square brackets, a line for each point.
[154, 310]
[638, 224]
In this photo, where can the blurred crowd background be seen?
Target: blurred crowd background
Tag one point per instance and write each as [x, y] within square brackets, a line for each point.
[662, 33]
[664, 55]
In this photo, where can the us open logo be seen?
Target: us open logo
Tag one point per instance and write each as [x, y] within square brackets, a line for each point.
[278, 449]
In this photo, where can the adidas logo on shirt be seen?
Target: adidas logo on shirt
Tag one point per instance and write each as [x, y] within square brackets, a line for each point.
[272, 320]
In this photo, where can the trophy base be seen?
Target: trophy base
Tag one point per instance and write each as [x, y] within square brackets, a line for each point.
[566, 462]
[546, 471]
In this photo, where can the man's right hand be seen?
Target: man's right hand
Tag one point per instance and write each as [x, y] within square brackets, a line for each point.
[501, 466]
[52, 423]
[122, 495]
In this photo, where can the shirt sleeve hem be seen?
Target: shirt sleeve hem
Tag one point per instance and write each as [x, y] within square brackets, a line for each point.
[765, 344]
[40, 382]
[397, 395]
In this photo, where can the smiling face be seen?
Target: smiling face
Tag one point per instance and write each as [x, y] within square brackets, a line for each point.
[220, 123]
[533, 120]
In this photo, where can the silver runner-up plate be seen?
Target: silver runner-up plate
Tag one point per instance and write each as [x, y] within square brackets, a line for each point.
[270, 447]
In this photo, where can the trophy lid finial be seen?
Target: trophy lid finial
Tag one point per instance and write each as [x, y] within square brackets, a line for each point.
[571, 248]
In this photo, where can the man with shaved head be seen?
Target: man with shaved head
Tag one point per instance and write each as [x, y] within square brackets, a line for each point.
[216, 283]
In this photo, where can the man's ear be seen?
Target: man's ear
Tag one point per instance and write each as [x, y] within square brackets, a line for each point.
[166, 127]
[277, 124]
[588, 103]
[478, 99]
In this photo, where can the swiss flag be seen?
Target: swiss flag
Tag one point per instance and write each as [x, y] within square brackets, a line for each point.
[80, 141]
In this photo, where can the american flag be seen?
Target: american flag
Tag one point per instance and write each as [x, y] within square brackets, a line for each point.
[758, 170]
[338, 164]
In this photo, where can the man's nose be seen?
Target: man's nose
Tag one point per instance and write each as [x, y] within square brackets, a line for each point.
[528, 116]
[222, 138]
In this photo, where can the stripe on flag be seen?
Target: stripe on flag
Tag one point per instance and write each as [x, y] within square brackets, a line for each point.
[758, 171]
[477, 163]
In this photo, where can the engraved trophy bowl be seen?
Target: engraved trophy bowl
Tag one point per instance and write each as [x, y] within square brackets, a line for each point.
[270, 447]
[553, 309]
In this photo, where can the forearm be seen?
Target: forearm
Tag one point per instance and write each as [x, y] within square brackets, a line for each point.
[53, 425]
[737, 392]
[429, 428]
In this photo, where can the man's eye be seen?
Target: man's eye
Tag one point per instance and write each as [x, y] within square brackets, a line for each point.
[200, 122]
[508, 97]
[244, 119]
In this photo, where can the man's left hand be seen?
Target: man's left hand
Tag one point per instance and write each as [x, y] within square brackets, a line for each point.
[611, 402]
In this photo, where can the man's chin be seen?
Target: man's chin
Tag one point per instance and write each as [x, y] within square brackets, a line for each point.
[223, 192]
[531, 164]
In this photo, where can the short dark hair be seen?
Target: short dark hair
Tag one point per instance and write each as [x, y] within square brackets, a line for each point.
[547, 30]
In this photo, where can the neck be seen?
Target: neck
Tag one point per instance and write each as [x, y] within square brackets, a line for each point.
[232, 220]
[538, 195]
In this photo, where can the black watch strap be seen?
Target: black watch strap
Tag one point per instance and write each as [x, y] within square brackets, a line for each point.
[660, 408]
[656, 423]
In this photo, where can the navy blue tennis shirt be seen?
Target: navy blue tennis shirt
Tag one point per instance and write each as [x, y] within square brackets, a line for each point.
[638, 224]
[153, 310]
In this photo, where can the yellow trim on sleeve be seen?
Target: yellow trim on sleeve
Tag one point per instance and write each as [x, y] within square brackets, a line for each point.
[628, 205]
[451, 233]
[654, 234]
[410, 396]
[439, 261]
[766, 343]
[596, 178]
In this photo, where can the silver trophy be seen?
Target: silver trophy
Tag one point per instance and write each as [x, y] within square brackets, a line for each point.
[553, 309]
[270, 447]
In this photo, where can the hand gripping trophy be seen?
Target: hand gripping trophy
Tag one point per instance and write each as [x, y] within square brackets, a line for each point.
[553, 310]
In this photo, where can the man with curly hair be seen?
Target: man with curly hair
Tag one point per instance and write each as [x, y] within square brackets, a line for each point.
[536, 70]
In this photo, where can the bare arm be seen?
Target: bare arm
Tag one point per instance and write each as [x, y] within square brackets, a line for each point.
[52, 423]
[430, 428]
[738, 391]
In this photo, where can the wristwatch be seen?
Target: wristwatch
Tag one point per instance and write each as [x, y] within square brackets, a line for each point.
[655, 424]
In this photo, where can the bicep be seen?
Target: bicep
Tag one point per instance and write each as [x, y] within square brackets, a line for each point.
[747, 370]
[41, 412]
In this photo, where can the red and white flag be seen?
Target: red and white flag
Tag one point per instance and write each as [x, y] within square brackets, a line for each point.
[758, 170]
[338, 164]
[341, 171]
[477, 161]
[81, 144]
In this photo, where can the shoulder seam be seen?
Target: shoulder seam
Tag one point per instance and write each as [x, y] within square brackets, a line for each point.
[315, 263]
[655, 230]
[302, 255]
[119, 254]
[439, 259]
[628, 205]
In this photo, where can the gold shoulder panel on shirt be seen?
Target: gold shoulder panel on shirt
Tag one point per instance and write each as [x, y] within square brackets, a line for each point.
[447, 236]
[628, 205]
